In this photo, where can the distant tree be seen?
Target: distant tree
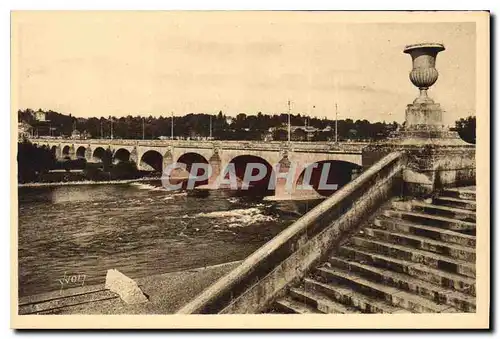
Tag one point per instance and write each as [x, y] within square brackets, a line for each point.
[466, 128]
[322, 136]
[280, 135]
[33, 161]
[299, 135]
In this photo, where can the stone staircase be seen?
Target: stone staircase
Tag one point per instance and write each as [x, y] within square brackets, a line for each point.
[414, 256]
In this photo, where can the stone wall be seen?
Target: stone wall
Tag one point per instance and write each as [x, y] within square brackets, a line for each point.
[432, 164]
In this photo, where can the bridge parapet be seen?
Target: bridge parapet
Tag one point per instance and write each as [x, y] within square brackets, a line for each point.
[297, 146]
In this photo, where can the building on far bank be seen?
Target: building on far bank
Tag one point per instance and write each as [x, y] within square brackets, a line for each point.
[40, 115]
[297, 133]
[76, 134]
[24, 130]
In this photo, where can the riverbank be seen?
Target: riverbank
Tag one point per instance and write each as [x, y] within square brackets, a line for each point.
[166, 293]
[86, 182]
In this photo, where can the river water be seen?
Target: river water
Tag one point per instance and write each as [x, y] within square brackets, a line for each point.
[138, 228]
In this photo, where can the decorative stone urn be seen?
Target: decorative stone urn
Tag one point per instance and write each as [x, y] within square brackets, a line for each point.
[424, 73]
[423, 114]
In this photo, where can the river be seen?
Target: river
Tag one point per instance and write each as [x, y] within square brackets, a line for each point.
[138, 228]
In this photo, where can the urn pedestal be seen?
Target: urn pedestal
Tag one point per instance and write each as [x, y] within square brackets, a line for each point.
[435, 156]
[423, 113]
[427, 116]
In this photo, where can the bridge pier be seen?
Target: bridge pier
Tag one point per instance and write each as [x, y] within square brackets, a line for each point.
[286, 176]
[58, 152]
[282, 190]
[167, 160]
[88, 153]
[133, 156]
[216, 166]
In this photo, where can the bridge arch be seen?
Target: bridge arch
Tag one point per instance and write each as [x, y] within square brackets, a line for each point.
[324, 175]
[152, 161]
[66, 152]
[241, 163]
[80, 152]
[121, 155]
[99, 154]
[189, 159]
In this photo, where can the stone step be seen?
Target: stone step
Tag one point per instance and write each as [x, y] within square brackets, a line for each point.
[431, 232]
[445, 279]
[459, 193]
[53, 304]
[438, 294]
[431, 220]
[444, 211]
[395, 296]
[350, 297]
[319, 301]
[290, 305]
[423, 243]
[433, 260]
[455, 202]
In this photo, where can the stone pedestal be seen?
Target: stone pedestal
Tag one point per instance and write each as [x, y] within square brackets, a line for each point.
[427, 115]
[432, 163]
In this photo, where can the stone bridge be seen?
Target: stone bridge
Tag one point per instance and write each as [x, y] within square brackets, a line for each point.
[156, 155]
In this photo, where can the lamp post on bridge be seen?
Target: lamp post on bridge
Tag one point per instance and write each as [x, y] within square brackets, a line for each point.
[289, 123]
[336, 123]
[111, 127]
[143, 130]
[172, 127]
[210, 127]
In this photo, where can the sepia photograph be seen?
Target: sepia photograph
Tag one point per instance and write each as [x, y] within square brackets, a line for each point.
[271, 169]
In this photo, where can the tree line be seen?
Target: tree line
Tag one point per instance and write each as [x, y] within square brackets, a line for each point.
[222, 127]
[201, 125]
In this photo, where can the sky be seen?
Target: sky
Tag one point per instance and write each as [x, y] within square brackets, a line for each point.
[155, 63]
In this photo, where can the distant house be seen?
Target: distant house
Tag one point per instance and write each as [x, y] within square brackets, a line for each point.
[267, 135]
[76, 134]
[301, 133]
[40, 115]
